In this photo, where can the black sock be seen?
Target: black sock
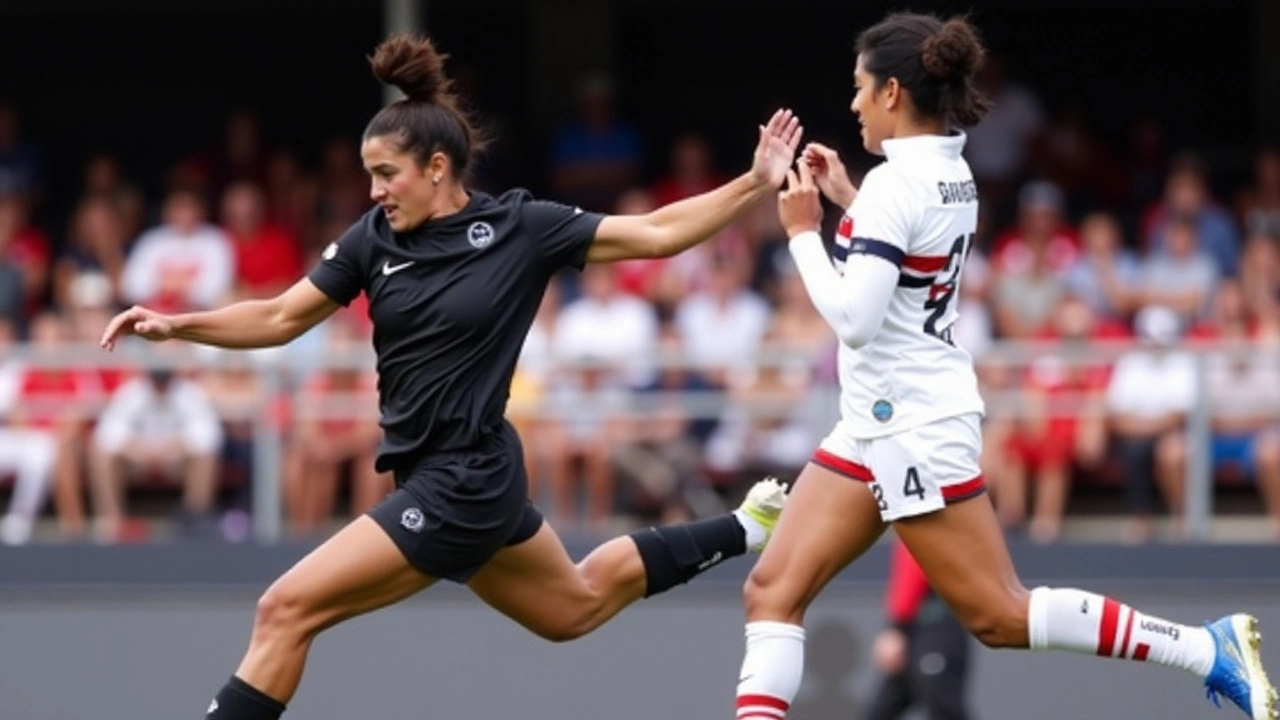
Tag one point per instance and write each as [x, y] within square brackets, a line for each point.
[674, 554]
[238, 700]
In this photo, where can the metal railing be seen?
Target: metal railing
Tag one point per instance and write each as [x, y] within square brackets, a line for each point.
[278, 373]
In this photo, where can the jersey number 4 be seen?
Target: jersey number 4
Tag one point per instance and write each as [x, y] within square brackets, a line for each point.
[944, 290]
[910, 486]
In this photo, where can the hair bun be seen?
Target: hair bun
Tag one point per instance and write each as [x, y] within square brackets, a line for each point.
[953, 52]
[411, 64]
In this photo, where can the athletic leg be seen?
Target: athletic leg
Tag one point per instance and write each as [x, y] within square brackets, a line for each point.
[357, 570]
[962, 550]
[832, 517]
[536, 584]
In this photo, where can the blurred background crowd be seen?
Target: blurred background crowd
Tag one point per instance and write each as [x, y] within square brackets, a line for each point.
[1122, 290]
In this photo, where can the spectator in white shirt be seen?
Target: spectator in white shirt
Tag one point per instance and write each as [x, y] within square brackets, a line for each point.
[162, 425]
[1150, 393]
[610, 326]
[723, 326]
[182, 264]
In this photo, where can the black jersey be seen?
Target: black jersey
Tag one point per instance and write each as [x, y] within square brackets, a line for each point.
[451, 303]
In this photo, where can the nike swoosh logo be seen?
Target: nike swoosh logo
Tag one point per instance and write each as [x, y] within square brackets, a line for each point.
[389, 269]
[717, 557]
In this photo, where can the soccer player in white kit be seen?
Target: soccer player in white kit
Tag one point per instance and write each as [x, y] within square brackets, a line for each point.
[906, 448]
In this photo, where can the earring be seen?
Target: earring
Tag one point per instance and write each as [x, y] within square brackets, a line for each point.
[435, 180]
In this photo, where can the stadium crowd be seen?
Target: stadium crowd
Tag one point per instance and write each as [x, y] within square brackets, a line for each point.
[649, 389]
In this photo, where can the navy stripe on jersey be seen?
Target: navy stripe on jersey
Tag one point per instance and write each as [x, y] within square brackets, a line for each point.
[915, 281]
[878, 248]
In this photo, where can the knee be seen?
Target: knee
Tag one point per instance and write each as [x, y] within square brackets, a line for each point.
[573, 623]
[563, 631]
[766, 596]
[283, 610]
[1001, 624]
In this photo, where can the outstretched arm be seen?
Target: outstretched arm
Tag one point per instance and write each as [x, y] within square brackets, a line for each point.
[242, 325]
[674, 228]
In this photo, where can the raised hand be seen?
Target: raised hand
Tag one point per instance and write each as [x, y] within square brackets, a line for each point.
[829, 174]
[137, 320]
[799, 208]
[777, 148]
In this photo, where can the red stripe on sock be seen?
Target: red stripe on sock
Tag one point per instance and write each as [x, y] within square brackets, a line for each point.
[1128, 630]
[1140, 652]
[1107, 631]
[765, 700]
[847, 468]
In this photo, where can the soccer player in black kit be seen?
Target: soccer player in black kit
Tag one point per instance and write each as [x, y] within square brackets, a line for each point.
[454, 278]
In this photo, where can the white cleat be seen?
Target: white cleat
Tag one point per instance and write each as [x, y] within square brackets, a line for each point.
[764, 504]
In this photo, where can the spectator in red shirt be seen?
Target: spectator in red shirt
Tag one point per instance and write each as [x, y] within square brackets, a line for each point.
[1042, 226]
[268, 259]
[1061, 424]
[57, 400]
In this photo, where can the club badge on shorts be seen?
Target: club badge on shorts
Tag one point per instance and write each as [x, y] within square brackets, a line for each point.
[882, 410]
[412, 519]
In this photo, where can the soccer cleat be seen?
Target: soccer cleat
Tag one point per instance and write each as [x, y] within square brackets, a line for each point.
[764, 504]
[1237, 670]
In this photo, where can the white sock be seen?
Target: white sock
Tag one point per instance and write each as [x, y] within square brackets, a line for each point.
[756, 533]
[771, 670]
[1079, 621]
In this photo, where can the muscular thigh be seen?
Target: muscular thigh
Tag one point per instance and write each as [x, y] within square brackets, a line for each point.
[963, 552]
[357, 570]
[538, 585]
[829, 520]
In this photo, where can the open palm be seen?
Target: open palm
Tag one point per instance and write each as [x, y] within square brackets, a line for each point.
[777, 148]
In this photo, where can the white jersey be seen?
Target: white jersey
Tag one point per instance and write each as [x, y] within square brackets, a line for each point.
[919, 211]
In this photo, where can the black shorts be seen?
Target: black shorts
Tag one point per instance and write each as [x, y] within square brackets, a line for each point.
[452, 511]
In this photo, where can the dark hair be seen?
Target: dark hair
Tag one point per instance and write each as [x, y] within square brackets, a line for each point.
[428, 119]
[935, 61]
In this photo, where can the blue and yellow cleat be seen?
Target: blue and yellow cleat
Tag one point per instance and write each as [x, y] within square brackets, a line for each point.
[1237, 670]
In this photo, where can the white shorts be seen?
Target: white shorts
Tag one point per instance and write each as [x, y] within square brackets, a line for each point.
[914, 472]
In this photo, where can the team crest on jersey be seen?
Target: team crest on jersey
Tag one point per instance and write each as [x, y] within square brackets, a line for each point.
[480, 234]
[882, 410]
[413, 520]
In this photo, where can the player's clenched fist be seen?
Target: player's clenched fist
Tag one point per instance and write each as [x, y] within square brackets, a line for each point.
[799, 206]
